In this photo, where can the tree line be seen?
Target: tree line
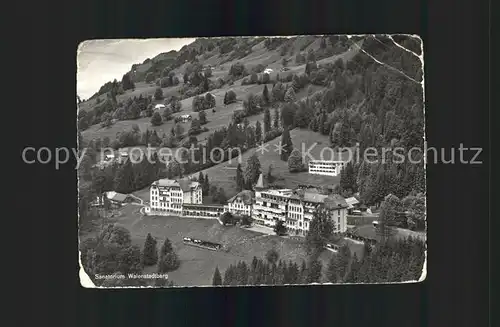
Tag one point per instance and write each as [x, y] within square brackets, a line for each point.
[112, 252]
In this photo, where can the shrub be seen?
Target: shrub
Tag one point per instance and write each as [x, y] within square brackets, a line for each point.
[207, 72]
[158, 94]
[230, 97]
[300, 58]
[259, 68]
[169, 262]
[156, 119]
[254, 78]
[295, 162]
[237, 69]
[150, 77]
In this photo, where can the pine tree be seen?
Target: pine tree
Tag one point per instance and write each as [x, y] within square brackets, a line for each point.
[174, 168]
[302, 279]
[127, 83]
[322, 44]
[391, 209]
[290, 95]
[296, 83]
[229, 276]
[149, 253]
[267, 121]
[367, 250]
[206, 86]
[288, 115]
[123, 182]
[240, 181]
[295, 162]
[269, 175]
[252, 170]
[352, 276]
[265, 95]
[303, 116]
[201, 179]
[276, 120]
[258, 132]
[314, 271]
[206, 186]
[322, 122]
[332, 270]
[348, 178]
[320, 230]
[286, 142]
[344, 257]
[166, 248]
[156, 119]
[202, 117]
[168, 262]
[217, 279]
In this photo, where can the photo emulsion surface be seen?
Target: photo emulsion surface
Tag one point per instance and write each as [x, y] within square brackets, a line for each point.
[251, 161]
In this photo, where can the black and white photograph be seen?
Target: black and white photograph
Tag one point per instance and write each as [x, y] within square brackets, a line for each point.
[251, 161]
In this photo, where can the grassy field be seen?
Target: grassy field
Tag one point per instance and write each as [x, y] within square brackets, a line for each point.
[223, 174]
[368, 231]
[198, 265]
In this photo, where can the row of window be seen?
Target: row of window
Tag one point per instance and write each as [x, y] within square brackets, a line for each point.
[164, 204]
[295, 209]
[322, 171]
[200, 214]
[294, 215]
[239, 206]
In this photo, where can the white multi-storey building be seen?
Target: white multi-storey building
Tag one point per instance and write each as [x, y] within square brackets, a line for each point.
[326, 167]
[270, 205]
[167, 196]
[296, 208]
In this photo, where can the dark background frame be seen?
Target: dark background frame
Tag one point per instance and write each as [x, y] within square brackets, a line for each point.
[455, 36]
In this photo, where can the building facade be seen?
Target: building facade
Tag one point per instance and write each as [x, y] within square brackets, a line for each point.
[167, 196]
[211, 211]
[270, 205]
[326, 167]
[296, 209]
[241, 204]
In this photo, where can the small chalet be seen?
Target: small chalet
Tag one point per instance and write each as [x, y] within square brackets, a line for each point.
[353, 204]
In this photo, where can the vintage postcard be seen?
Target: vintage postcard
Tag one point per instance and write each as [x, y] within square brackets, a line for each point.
[251, 161]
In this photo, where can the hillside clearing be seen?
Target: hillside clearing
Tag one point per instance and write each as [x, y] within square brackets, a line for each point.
[223, 175]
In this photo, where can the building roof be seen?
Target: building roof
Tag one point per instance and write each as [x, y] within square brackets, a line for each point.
[187, 185]
[335, 201]
[314, 197]
[246, 196]
[261, 183]
[166, 182]
[351, 202]
[119, 197]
